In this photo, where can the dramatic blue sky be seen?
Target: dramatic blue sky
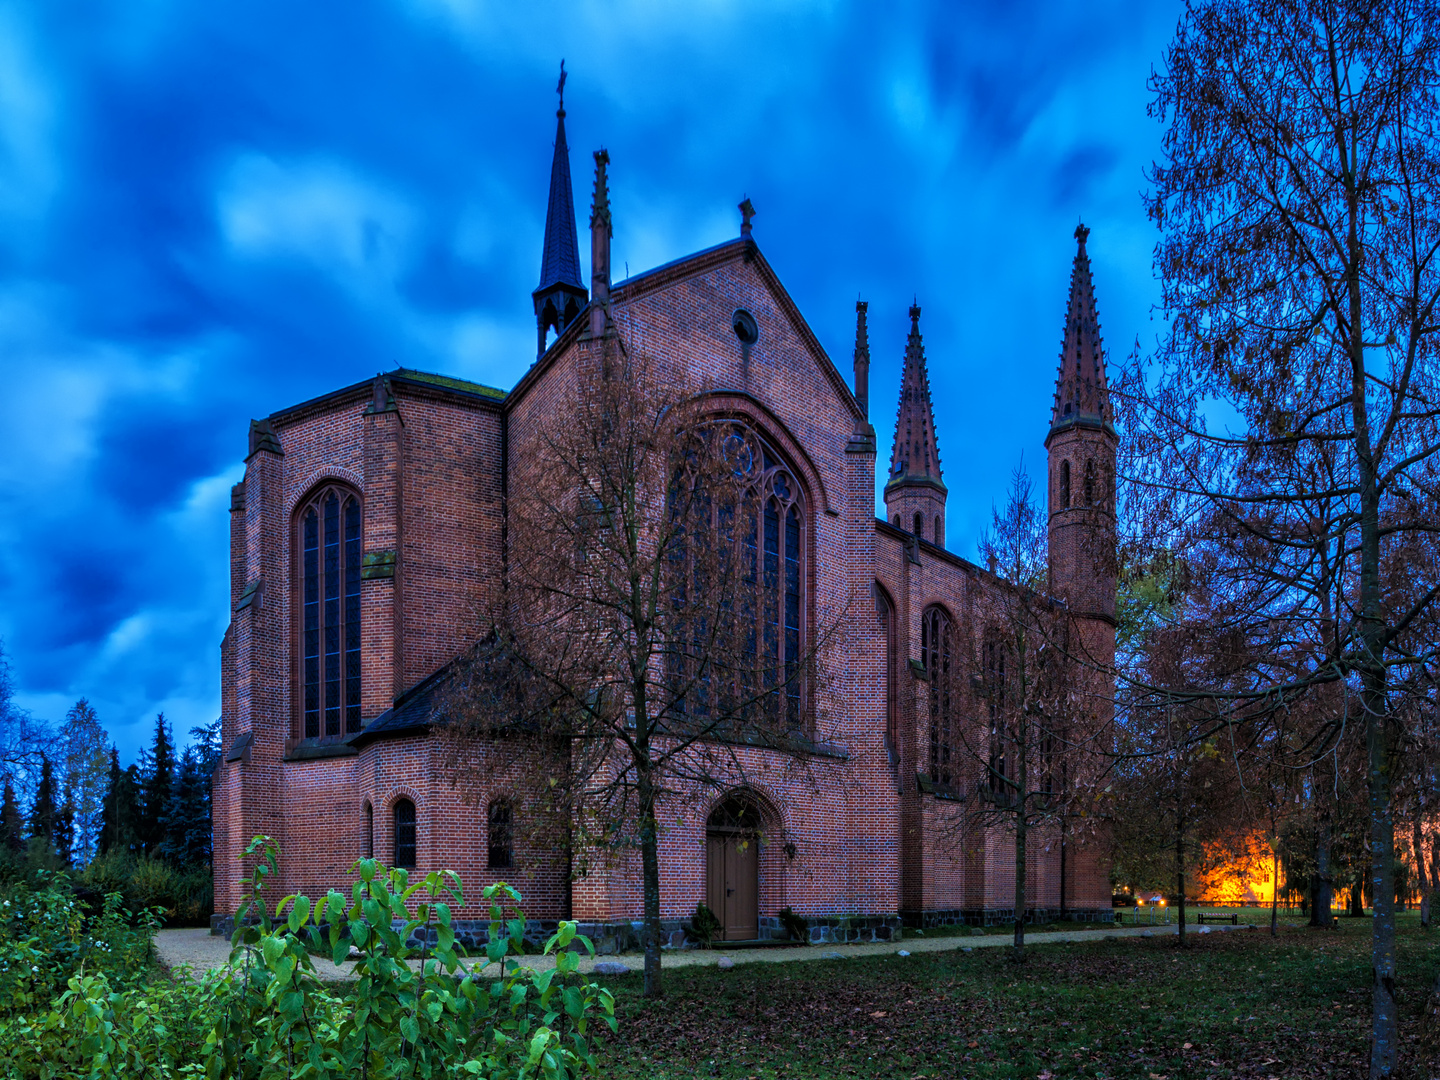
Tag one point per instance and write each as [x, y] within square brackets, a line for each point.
[209, 211]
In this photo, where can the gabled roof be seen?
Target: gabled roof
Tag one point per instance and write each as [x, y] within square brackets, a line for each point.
[677, 270]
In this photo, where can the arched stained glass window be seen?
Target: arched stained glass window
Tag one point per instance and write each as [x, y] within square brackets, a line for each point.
[936, 654]
[404, 812]
[328, 542]
[766, 531]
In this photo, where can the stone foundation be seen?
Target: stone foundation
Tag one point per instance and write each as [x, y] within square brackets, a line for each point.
[925, 920]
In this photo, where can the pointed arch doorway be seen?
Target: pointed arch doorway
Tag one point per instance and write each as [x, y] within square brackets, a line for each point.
[732, 858]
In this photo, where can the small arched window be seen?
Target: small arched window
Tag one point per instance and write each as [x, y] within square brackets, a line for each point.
[1089, 482]
[935, 654]
[939, 532]
[919, 529]
[501, 835]
[1064, 485]
[404, 812]
[369, 830]
[327, 562]
[897, 521]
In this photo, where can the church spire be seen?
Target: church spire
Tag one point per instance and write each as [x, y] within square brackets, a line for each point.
[915, 493]
[561, 294]
[1082, 392]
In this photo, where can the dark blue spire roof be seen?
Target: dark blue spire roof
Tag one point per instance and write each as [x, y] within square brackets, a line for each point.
[560, 264]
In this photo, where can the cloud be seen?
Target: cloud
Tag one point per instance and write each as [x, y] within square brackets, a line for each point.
[208, 215]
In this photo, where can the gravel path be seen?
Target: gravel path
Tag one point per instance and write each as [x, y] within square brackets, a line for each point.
[197, 950]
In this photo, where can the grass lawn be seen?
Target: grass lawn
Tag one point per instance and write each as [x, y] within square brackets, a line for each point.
[1232, 1005]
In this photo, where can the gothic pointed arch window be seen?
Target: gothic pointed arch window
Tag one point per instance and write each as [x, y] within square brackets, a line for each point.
[760, 528]
[937, 657]
[919, 529]
[1090, 482]
[327, 559]
[1064, 485]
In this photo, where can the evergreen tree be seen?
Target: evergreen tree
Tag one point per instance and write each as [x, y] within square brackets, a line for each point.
[12, 824]
[63, 841]
[157, 784]
[120, 812]
[43, 812]
[187, 821]
[83, 766]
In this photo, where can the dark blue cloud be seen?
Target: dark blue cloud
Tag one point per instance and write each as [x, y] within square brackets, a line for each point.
[210, 212]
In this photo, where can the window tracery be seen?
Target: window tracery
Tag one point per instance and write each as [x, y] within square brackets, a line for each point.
[328, 561]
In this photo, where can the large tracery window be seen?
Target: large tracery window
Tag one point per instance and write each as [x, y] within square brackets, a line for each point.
[936, 655]
[328, 576]
[762, 527]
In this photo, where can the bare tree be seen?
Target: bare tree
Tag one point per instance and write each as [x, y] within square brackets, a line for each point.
[651, 637]
[1297, 202]
[1027, 746]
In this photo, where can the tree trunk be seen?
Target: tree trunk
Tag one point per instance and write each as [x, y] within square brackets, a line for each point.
[1322, 885]
[1275, 893]
[1180, 881]
[650, 864]
[1424, 879]
[1357, 896]
[1383, 1048]
[1018, 954]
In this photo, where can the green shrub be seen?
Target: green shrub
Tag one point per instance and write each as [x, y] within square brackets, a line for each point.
[797, 926]
[80, 1001]
[704, 925]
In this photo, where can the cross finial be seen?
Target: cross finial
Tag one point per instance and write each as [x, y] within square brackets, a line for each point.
[561, 89]
[747, 214]
[1081, 233]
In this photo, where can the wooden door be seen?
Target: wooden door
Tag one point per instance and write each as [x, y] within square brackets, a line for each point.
[732, 885]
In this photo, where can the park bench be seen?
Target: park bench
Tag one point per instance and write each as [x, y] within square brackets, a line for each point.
[1233, 918]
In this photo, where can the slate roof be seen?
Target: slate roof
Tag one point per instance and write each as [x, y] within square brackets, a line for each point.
[412, 713]
[560, 263]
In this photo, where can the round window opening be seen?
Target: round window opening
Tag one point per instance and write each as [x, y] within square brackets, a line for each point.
[746, 329]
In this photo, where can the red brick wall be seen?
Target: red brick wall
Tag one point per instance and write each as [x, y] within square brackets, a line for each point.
[430, 470]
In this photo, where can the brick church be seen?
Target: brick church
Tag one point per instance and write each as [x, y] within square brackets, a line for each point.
[369, 532]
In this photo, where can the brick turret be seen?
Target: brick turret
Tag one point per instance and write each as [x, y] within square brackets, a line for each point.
[915, 493]
[1081, 448]
[1081, 458]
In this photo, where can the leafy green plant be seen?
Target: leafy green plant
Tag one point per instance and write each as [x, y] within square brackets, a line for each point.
[704, 925]
[436, 1018]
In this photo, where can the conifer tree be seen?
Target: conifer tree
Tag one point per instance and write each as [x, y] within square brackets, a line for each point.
[119, 815]
[83, 766]
[187, 820]
[44, 812]
[157, 783]
[12, 824]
